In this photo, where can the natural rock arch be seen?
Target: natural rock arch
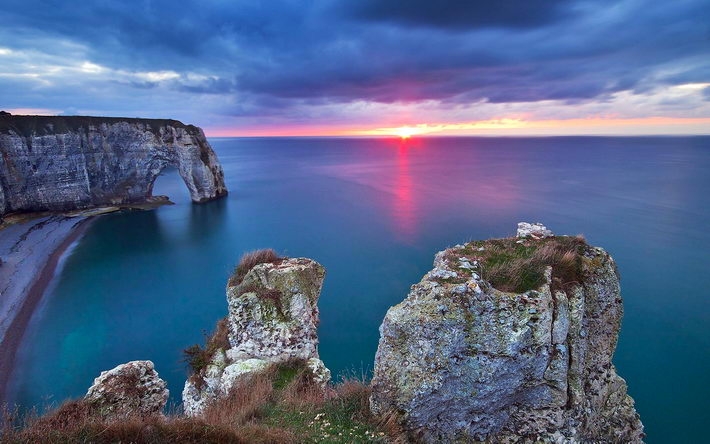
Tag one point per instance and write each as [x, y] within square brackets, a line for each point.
[64, 163]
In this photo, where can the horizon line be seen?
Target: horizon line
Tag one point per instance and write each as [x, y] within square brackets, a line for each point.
[442, 136]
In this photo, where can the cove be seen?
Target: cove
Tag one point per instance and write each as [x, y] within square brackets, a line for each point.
[145, 285]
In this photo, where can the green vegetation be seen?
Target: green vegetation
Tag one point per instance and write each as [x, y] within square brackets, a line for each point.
[280, 405]
[341, 418]
[286, 373]
[519, 265]
[285, 399]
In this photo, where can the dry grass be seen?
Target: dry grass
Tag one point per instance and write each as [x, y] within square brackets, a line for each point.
[127, 384]
[250, 260]
[198, 358]
[391, 424]
[301, 393]
[220, 337]
[518, 267]
[279, 405]
[77, 421]
[355, 392]
[245, 402]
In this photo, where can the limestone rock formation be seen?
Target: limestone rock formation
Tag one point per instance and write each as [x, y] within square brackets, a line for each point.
[131, 389]
[535, 231]
[57, 163]
[460, 360]
[273, 318]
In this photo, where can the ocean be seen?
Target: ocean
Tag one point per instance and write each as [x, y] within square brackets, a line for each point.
[146, 285]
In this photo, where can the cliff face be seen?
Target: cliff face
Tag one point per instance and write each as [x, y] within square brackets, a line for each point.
[461, 360]
[59, 163]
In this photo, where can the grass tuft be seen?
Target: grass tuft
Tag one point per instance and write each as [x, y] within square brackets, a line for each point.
[250, 260]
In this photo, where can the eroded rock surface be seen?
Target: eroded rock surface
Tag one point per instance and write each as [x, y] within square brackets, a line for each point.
[534, 230]
[463, 361]
[58, 163]
[130, 389]
[273, 318]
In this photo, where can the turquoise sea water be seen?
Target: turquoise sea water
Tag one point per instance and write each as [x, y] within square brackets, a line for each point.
[145, 285]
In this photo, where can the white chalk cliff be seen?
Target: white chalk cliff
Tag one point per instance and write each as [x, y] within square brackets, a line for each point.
[58, 163]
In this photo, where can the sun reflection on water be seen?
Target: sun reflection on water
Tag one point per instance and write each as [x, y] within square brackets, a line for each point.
[403, 210]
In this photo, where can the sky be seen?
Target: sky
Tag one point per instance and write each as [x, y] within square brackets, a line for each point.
[365, 67]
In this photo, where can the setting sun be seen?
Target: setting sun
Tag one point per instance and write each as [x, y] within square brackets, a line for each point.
[405, 132]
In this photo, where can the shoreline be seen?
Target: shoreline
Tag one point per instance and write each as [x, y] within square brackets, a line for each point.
[29, 297]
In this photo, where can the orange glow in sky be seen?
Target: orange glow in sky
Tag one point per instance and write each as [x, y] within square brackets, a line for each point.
[506, 126]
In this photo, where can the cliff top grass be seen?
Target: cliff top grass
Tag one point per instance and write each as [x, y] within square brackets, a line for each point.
[250, 260]
[280, 405]
[518, 265]
[43, 125]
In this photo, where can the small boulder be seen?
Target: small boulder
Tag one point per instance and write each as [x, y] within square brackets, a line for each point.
[130, 389]
[534, 231]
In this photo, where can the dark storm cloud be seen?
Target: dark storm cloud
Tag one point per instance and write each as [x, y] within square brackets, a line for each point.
[273, 55]
[464, 14]
[598, 49]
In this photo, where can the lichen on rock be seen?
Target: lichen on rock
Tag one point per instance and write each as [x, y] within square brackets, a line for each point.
[273, 318]
[459, 359]
[130, 389]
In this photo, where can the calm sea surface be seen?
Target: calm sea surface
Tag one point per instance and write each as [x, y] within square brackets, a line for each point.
[145, 285]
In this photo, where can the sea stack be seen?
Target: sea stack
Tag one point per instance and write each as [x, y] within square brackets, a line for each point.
[273, 319]
[64, 163]
[508, 340]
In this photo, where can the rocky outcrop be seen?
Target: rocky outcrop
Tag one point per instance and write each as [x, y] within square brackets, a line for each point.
[273, 318]
[131, 389]
[460, 360]
[534, 231]
[57, 163]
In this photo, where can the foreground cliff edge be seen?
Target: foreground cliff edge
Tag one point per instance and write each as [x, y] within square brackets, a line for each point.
[258, 378]
[64, 163]
[509, 340]
[504, 341]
